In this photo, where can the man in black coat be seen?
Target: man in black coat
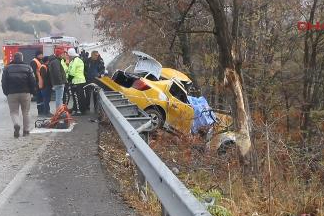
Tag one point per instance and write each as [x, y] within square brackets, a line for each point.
[94, 68]
[57, 76]
[18, 84]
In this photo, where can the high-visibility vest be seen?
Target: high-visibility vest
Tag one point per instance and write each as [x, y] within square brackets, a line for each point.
[39, 77]
[76, 70]
[43, 65]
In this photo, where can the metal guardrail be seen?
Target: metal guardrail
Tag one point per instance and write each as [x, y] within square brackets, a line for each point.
[175, 198]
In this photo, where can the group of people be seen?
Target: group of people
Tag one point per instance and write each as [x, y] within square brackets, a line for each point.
[64, 72]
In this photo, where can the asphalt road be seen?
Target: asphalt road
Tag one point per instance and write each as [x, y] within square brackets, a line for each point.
[55, 174]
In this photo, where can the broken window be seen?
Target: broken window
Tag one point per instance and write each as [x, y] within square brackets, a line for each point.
[178, 93]
[124, 79]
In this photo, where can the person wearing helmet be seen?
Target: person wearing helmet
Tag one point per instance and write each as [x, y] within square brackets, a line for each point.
[77, 80]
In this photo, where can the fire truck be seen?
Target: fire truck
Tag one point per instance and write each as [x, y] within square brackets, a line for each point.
[28, 48]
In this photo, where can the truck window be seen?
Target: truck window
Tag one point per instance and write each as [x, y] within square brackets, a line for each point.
[178, 93]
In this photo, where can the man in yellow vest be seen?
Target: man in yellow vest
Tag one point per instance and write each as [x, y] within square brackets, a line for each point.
[36, 64]
[77, 81]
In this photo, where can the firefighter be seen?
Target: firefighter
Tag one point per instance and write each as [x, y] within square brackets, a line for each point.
[18, 83]
[77, 80]
[47, 86]
[36, 63]
[94, 68]
[57, 76]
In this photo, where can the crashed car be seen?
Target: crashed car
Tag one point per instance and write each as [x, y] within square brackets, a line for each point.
[161, 92]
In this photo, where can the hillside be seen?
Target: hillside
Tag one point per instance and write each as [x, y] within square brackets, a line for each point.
[59, 16]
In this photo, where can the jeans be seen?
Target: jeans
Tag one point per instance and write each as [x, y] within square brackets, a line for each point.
[59, 91]
[16, 101]
[46, 93]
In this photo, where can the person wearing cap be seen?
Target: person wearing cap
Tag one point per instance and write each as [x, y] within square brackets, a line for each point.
[77, 79]
[57, 75]
[47, 86]
[36, 64]
[18, 83]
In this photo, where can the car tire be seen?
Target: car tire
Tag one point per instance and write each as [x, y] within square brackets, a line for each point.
[157, 118]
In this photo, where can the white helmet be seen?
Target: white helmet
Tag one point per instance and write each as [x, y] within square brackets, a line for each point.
[72, 52]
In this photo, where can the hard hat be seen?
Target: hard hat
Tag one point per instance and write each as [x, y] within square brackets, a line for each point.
[72, 52]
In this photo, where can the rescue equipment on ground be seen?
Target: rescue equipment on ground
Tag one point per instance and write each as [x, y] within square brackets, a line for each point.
[61, 119]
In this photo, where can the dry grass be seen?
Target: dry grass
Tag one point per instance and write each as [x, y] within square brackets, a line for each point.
[294, 184]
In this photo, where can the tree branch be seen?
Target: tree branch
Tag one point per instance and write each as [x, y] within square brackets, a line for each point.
[197, 32]
[181, 22]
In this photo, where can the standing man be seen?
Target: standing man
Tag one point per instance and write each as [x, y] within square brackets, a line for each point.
[67, 89]
[47, 86]
[57, 76]
[18, 83]
[94, 67]
[36, 64]
[77, 79]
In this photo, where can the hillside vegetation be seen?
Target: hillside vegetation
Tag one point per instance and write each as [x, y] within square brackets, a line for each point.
[21, 19]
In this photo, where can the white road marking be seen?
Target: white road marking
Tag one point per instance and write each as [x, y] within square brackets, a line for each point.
[15, 183]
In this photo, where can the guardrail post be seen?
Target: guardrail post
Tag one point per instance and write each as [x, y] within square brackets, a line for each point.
[141, 181]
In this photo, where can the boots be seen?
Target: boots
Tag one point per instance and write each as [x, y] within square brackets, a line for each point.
[17, 129]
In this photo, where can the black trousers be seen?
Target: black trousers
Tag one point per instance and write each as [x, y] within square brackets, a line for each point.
[89, 92]
[67, 94]
[78, 96]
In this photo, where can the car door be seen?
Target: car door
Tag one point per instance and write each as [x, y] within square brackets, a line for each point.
[180, 113]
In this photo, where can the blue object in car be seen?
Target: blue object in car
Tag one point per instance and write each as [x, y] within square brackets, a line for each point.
[204, 116]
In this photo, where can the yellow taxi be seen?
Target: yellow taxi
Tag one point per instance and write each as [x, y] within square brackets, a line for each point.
[165, 100]
[161, 92]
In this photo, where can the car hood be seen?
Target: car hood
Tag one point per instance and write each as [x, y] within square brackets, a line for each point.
[169, 73]
[147, 64]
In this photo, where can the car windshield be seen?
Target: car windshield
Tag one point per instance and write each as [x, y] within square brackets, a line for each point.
[178, 93]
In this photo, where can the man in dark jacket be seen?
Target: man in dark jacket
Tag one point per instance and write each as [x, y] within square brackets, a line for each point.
[36, 64]
[18, 83]
[47, 86]
[57, 75]
[94, 67]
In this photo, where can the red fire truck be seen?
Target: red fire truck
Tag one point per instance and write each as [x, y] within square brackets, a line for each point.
[28, 48]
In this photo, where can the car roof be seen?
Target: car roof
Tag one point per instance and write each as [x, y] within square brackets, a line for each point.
[170, 73]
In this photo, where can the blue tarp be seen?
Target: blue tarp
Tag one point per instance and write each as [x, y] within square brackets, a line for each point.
[203, 114]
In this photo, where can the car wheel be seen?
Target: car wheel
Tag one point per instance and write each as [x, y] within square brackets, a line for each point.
[156, 118]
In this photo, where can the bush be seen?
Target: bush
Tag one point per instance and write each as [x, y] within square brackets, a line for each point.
[59, 25]
[41, 7]
[2, 27]
[42, 26]
[28, 27]
[19, 26]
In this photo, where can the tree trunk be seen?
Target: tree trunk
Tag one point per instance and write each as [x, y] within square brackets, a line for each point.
[184, 40]
[232, 76]
[310, 75]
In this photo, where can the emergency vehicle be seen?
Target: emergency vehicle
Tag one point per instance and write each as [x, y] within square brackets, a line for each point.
[28, 48]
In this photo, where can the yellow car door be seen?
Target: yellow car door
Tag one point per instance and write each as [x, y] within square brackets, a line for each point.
[180, 114]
